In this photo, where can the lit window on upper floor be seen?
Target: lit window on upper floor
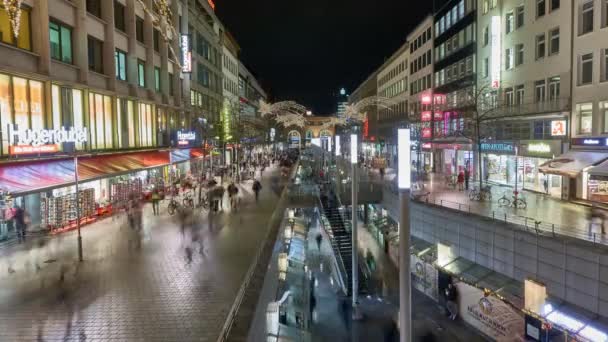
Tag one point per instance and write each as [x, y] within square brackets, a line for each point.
[7, 36]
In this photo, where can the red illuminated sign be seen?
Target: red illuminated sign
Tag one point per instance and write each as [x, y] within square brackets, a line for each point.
[426, 99]
[426, 116]
[183, 142]
[427, 145]
[212, 4]
[438, 116]
[366, 127]
[28, 149]
[426, 132]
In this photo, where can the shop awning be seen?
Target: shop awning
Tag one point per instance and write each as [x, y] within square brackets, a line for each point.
[32, 176]
[600, 171]
[102, 166]
[572, 163]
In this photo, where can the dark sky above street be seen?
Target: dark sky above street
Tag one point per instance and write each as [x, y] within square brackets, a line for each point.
[305, 50]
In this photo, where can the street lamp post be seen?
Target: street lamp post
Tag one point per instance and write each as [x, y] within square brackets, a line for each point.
[355, 265]
[404, 182]
[80, 258]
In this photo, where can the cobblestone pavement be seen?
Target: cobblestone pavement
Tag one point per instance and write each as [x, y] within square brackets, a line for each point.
[168, 290]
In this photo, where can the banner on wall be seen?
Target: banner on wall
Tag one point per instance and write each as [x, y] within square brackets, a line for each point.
[490, 315]
[424, 276]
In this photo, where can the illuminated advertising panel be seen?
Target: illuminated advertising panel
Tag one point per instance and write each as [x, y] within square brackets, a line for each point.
[186, 54]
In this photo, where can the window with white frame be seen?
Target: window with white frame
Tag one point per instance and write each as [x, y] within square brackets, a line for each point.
[604, 114]
[554, 41]
[554, 86]
[485, 67]
[585, 17]
[509, 22]
[509, 96]
[541, 8]
[486, 36]
[585, 114]
[539, 91]
[540, 46]
[519, 16]
[605, 65]
[519, 94]
[509, 58]
[519, 54]
[585, 73]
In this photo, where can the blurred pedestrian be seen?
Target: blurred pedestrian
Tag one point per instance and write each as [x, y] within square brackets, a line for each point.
[155, 202]
[20, 220]
[451, 296]
[382, 173]
[546, 184]
[467, 176]
[257, 186]
[233, 191]
[319, 238]
[460, 180]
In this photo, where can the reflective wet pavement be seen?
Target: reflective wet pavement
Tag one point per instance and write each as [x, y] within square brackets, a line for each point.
[169, 290]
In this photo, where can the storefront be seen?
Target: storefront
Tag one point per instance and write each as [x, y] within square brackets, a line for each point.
[451, 159]
[499, 162]
[380, 225]
[575, 165]
[534, 153]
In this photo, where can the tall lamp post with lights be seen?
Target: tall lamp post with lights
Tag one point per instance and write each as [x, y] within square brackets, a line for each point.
[354, 184]
[404, 182]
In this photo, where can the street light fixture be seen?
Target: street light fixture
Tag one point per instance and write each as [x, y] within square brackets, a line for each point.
[354, 183]
[404, 180]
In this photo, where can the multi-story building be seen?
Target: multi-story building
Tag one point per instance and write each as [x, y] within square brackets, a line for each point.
[103, 79]
[250, 94]
[523, 85]
[454, 81]
[230, 70]
[421, 92]
[589, 82]
[393, 84]
[368, 88]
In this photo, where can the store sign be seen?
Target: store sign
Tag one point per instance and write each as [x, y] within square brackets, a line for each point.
[27, 141]
[426, 132]
[498, 147]
[186, 54]
[558, 128]
[438, 116]
[595, 141]
[185, 138]
[496, 51]
[426, 116]
[427, 146]
[490, 315]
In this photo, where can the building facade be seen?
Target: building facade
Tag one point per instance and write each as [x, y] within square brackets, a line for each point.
[107, 81]
[421, 93]
[524, 64]
[454, 68]
[393, 83]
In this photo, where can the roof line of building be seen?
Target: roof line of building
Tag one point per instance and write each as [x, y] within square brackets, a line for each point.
[430, 15]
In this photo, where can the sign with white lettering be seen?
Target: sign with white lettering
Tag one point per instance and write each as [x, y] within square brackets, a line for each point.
[185, 138]
[498, 147]
[591, 141]
[186, 54]
[30, 141]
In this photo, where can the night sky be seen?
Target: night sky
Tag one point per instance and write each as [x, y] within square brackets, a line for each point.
[305, 50]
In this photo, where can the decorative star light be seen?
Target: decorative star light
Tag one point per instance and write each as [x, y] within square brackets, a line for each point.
[163, 21]
[291, 119]
[280, 108]
[334, 121]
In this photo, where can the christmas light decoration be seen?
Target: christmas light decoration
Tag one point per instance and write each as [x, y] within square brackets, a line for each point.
[13, 9]
[163, 21]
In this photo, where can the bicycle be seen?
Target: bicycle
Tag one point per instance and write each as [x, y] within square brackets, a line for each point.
[481, 195]
[173, 206]
[516, 202]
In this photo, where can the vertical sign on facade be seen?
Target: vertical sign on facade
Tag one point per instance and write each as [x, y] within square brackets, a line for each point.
[496, 55]
[186, 54]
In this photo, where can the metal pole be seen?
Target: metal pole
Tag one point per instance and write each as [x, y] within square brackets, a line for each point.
[80, 258]
[516, 176]
[355, 268]
[405, 290]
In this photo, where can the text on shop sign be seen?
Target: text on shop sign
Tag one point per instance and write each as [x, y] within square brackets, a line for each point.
[499, 147]
[539, 148]
[39, 137]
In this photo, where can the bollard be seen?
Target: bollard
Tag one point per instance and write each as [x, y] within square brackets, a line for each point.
[441, 203]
